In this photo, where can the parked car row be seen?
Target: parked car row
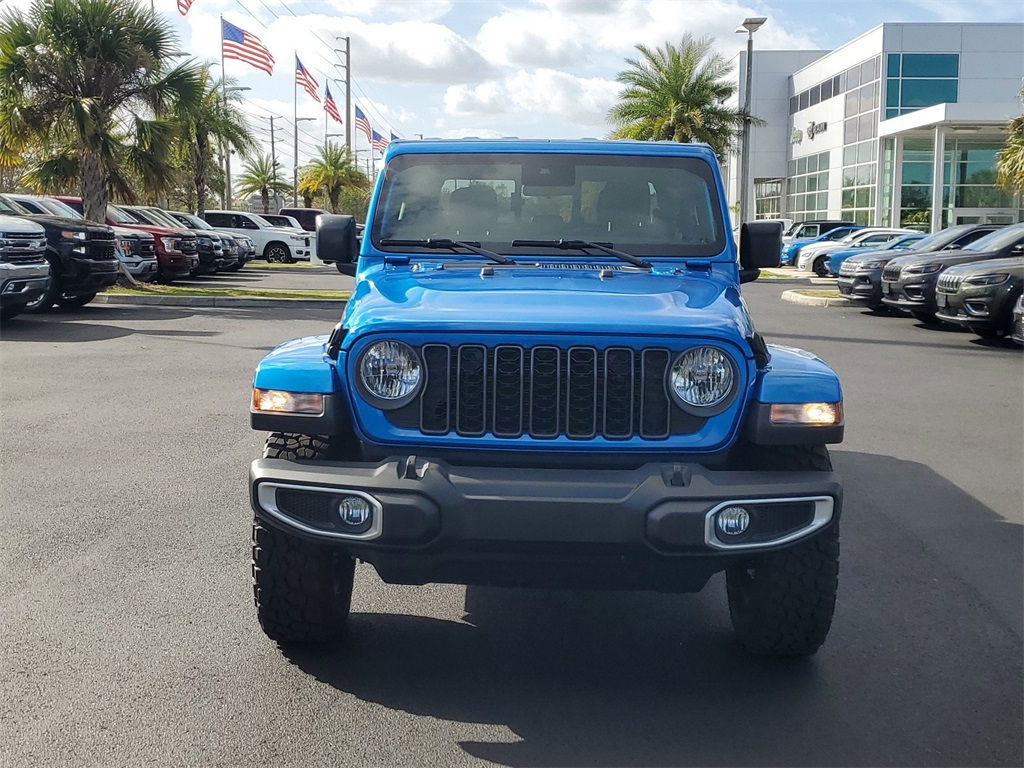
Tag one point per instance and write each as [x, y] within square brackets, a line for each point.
[50, 254]
[969, 275]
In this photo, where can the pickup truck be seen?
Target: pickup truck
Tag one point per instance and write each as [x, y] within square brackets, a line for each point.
[24, 271]
[547, 377]
[275, 244]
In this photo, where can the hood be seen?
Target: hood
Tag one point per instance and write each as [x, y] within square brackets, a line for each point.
[287, 231]
[547, 300]
[74, 225]
[131, 232]
[947, 258]
[163, 231]
[19, 225]
[1014, 265]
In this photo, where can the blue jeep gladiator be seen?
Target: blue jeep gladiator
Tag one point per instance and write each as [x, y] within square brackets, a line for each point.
[546, 377]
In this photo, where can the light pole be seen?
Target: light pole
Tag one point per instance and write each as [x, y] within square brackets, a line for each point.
[750, 26]
[347, 51]
[225, 90]
[295, 166]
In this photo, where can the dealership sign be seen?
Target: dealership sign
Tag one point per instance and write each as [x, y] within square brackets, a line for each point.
[813, 129]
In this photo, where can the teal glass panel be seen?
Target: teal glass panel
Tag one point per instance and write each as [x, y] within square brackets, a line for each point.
[850, 154]
[893, 68]
[891, 113]
[931, 64]
[823, 161]
[925, 93]
[892, 93]
[916, 196]
[917, 173]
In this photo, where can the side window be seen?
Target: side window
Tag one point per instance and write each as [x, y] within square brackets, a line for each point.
[218, 220]
[970, 237]
[244, 222]
[811, 230]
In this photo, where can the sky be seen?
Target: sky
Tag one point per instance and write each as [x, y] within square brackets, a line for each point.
[490, 68]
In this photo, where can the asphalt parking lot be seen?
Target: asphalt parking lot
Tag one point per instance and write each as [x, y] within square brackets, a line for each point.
[128, 637]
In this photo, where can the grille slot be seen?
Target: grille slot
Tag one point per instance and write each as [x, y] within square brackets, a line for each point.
[949, 283]
[891, 274]
[545, 392]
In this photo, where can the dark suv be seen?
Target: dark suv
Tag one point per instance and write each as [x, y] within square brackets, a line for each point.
[82, 256]
[981, 296]
[305, 216]
[908, 282]
[860, 277]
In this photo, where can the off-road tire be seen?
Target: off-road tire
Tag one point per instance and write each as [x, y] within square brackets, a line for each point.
[302, 589]
[278, 253]
[781, 603]
[73, 302]
[928, 318]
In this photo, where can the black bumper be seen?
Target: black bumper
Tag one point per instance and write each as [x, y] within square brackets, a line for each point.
[22, 290]
[647, 528]
[859, 287]
[82, 276]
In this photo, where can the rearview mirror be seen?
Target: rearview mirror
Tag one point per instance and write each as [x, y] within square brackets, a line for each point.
[760, 247]
[336, 241]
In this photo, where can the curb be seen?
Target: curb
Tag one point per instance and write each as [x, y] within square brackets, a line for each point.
[239, 302]
[796, 297]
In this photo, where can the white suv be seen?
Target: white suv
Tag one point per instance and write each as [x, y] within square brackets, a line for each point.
[275, 244]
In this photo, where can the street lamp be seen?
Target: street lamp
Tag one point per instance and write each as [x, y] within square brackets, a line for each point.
[295, 166]
[228, 197]
[750, 26]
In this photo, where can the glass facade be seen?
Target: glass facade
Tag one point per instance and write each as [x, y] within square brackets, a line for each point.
[767, 198]
[917, 80]
[807, 192]
[850, 80]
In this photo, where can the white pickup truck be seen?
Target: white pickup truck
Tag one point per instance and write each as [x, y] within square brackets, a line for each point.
[275, 244]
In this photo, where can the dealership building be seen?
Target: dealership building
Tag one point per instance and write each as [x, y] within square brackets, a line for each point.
[898, 127]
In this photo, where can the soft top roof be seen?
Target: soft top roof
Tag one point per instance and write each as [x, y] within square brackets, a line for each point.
[550, 146]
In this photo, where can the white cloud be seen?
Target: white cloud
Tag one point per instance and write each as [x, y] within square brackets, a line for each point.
[407, 10]
[543, 92]
[532, 39]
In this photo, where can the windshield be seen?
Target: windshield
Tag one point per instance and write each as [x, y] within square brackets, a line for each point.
[279, 221]
[842, 234]
[190, 221]
[161, 218]
[57, 208]
[120, 216]
[9, 206]
[649, 206]
[994, 241]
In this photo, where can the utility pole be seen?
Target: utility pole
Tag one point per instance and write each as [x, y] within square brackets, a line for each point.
[749, 26]
[348, 90]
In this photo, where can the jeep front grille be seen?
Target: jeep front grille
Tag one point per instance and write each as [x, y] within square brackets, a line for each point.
[545, 392]
[848, 267]
[891, 274]
[948, 283]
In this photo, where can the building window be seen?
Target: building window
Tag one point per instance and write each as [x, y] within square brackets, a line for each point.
[974, 175]
[807, 193]
[918, 80]
[836, 86]
[767, 198]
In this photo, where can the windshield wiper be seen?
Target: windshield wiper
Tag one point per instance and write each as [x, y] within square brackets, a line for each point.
[583, 245]
[451, 245]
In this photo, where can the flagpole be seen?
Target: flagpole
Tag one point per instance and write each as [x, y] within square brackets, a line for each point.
[225, 147]
[295, 127]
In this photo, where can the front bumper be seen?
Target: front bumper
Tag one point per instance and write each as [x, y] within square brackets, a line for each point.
[862, 286]
[647, 528]
[912, 294]
[22, 283]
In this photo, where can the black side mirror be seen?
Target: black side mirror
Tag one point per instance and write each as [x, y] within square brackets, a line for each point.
[760, 248]
[336, 241]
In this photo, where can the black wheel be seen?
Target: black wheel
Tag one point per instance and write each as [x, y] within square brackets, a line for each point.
[71, 302]
[781, 603]
[48, 298]
[821, 267]
[928, 318]
[990, 332]
[278, 253]
[6, 313]
[302, 589]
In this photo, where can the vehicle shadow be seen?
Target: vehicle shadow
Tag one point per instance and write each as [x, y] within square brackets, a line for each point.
[923, 665]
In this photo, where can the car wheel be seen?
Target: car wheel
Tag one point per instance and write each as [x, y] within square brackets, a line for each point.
[302, 589]
[821, 267]
[928, 318]
[781, 603]
[72, 302]
[278, 253]
[993, 333]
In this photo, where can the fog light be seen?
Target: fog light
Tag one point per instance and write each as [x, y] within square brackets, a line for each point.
[356, 513]
[733, 521]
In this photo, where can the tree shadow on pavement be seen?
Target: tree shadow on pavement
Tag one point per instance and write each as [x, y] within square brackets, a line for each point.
[923, 665]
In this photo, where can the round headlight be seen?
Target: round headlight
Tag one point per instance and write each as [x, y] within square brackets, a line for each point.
[390, 371]
[702, 377]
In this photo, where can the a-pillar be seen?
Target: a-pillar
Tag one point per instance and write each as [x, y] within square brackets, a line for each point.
[937, 176]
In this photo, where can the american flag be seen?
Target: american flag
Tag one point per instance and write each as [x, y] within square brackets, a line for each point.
[329, 106]
[183, 6]
[393, 137]
[379, 143]
[363, 124]
[238, 44]
[303, 78]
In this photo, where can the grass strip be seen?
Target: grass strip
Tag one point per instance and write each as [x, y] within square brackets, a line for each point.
[822, 293]
[241, 293]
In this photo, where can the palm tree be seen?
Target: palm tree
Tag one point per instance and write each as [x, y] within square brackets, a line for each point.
[1010, 161]
[678, 93]
[217, 120]
[91, 79]
[332, 172]
[262, 175]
